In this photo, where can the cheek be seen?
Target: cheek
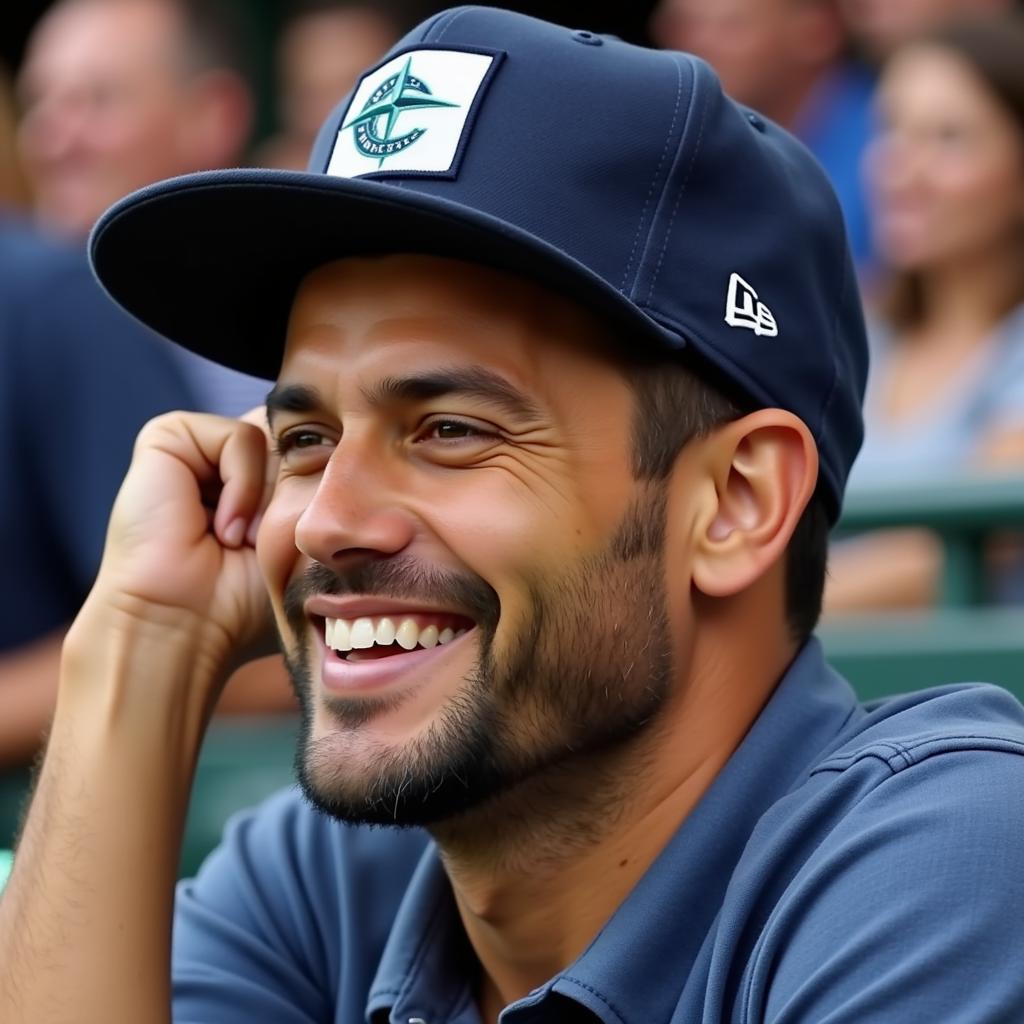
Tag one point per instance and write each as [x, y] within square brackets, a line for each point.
[511, 528]
[136, 138]
[275, 545]
[979, 204]
[990, 177]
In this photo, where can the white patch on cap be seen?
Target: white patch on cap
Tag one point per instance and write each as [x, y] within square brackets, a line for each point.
[410, 114]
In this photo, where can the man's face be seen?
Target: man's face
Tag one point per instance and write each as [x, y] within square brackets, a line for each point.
[105, 99]
[456, 473]
[749, 43]
[322, 56]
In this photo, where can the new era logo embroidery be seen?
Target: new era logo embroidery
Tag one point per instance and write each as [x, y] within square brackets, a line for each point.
[410, 114]
[742, 309]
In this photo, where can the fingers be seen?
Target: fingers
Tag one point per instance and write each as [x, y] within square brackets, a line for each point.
[243, 462]
[258, 418]
[228, 459]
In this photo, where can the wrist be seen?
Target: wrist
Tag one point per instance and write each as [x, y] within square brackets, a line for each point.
[129, 668]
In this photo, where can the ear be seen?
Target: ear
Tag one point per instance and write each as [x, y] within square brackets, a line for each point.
[219, 121]
[764, 468]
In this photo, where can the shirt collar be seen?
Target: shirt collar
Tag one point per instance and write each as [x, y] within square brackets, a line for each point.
[624, 966]
[428, 969]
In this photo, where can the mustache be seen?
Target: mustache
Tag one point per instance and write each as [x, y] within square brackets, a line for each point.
[399, 578]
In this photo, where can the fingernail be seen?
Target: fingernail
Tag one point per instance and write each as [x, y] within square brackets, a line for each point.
[234, 532]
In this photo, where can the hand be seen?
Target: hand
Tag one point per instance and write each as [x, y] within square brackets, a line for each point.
[180, 554]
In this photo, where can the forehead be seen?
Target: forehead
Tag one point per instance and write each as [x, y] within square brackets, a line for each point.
[97, 38]
[371, 314]
[935, 80]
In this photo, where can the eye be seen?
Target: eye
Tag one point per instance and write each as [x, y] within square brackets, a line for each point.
[453, 430]
[301, 439]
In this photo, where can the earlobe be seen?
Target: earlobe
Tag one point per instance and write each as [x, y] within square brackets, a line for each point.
[765, 467]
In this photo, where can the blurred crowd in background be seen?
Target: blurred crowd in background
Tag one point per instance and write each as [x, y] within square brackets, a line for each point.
[915, 108]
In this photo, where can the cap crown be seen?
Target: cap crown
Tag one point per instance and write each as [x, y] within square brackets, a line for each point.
[709, 219]
[619, 176]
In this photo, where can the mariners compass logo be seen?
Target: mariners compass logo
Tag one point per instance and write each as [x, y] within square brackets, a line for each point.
[375, 125]
[411, 115]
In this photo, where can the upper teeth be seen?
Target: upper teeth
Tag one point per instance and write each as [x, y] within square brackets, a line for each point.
[358, 634]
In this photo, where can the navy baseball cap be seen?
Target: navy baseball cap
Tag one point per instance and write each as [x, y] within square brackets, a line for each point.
[619, 176]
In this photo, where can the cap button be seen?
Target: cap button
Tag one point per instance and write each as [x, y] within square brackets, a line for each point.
[588, 38]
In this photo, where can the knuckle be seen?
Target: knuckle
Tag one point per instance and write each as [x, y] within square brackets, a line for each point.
[157, 427]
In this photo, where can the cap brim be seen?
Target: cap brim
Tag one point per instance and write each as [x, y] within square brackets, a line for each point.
[213, 260]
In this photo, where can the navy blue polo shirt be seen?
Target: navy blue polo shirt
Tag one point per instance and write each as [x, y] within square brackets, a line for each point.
[850, 864]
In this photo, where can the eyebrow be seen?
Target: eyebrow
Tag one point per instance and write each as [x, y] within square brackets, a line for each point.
[468, 381]
[465, 381]
[293, 398]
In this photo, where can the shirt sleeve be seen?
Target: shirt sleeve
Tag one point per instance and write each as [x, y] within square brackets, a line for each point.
[287, 919]
[78, 379]
[912, 910]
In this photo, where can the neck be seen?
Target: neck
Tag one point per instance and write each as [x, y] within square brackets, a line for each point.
[964, 299]
[540, 870]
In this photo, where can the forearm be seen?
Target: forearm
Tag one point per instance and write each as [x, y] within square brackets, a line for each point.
[883, 570]
[85, 921]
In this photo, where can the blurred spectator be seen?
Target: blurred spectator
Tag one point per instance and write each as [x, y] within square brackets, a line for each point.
[117, 93]
[880, 26]
[946, 390]
[787, 59]
[324, 47]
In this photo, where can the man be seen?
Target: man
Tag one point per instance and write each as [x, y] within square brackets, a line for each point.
[569, 362]
[117, 94]
[787, 60]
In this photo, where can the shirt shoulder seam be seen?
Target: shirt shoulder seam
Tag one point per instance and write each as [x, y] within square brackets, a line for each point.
[902, 755]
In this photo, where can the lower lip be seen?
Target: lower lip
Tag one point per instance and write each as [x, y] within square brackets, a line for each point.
[341, 676]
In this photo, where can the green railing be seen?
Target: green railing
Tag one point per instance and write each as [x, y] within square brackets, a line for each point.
[242, 761]
[963, 511]
[963, 639]
[6, 863]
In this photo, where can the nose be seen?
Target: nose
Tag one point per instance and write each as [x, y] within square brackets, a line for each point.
[896, 164]
[355, 513]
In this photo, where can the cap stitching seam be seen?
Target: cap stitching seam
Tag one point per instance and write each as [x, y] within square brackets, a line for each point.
[679, 198]
[437, 21]
[455, 15]
[655, 177]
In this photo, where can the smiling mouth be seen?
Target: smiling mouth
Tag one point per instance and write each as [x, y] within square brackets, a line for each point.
[375, 637]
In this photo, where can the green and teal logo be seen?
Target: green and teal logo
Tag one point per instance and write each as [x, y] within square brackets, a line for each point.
[374, 126]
